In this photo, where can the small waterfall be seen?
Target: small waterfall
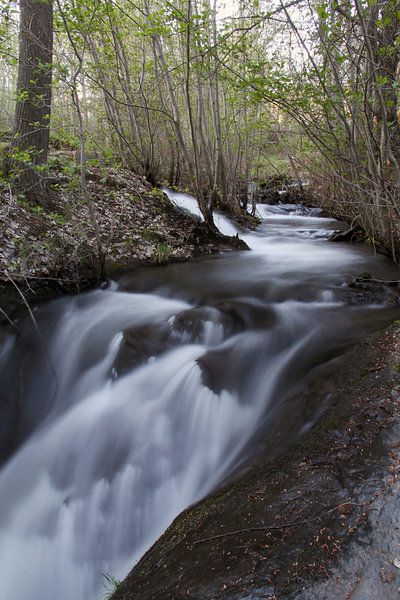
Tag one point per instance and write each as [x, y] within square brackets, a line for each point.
[189, 204]
[114, 460]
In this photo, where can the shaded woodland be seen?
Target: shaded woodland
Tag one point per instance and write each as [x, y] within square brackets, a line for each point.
[207, 97]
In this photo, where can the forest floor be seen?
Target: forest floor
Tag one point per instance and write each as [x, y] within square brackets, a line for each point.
[44, 252]
[319, 520]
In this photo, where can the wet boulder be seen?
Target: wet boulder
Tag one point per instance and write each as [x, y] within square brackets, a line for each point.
[236, 364]
[139, 344]
[205, 325]
[201, 325]
[222, 368]
[248, 314]
[367, 290]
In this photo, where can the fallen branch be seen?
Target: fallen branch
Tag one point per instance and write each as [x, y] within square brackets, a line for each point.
[32, 316]
[276, 527]
[348, 235]
[24, 300]
[25, 277]
[5, 315]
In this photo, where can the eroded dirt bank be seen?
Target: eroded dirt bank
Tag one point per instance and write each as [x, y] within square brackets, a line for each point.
[73, 246]
[320, 520]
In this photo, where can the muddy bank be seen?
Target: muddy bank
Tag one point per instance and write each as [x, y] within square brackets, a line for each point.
[48, 252]
[281, 529]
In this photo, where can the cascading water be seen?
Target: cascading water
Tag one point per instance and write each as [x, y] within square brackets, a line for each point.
[136, 401]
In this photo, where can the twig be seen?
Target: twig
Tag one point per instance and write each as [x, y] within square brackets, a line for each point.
[274, 527]
[32, 316]
[5, 315]
[25, 277]
[11, 201]
[377, 280]
[28, 285]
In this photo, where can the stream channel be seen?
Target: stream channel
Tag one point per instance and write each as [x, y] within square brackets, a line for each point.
[126, 405]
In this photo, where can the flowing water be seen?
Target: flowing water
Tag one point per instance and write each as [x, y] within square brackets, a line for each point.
[128, 404]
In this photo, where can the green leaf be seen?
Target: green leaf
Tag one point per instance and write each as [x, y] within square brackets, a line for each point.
[322, 11]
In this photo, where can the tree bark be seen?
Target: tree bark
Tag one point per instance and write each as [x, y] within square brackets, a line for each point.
[33, 107]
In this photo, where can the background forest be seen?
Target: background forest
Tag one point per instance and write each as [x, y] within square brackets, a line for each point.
[208, 97]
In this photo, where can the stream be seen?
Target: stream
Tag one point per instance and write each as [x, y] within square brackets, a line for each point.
[126, 405]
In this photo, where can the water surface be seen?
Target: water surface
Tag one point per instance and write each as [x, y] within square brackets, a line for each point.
[136, 401]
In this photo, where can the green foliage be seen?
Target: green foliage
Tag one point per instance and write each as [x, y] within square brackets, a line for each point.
[148, 235]
[38, 210]
[22, 157]
[322, 11]
[156, 193]
[132, 242]
[22, 96]
[307, 94]
[57, 217]
[72, 172]
[22, 247]
[271, 164]
[110, 585]
[62, 139]
[163, 252]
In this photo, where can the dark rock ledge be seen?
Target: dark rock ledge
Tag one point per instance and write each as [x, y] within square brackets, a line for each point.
[316, 520]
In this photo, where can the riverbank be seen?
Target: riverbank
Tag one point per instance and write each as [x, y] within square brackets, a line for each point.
[317, 520]
[75, 245]
[217, 352]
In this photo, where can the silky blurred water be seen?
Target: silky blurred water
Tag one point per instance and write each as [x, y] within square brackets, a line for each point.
[136, 401]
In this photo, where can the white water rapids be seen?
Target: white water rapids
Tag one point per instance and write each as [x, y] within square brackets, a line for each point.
[105, 456]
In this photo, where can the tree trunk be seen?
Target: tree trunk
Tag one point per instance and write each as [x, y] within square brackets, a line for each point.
[33, 108]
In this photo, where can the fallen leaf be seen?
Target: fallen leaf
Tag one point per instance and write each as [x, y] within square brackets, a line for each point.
[387, 576]
[345, 509]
